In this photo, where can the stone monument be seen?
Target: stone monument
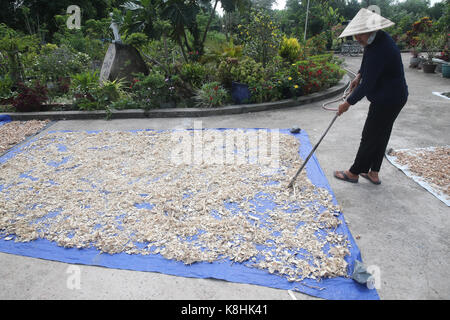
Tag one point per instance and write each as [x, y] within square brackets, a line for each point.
[121, 60]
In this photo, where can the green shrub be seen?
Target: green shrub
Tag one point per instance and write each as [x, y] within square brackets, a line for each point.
[155, 89]
[6, 84]
[89, 94]
[136, 39]
[124, 103]
[318, 76]
[321, 58]
[194, 73]
[211, 94]
[246, 71]
[87, 39]
[317, 44]
[289, 49]
[17, 53]
[224, 71]
[84, 88]
[164, 51]
[54, 63]
[111, 91]
[265, 91]
[288, 82]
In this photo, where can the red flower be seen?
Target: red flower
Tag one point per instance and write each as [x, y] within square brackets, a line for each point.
[210, 98]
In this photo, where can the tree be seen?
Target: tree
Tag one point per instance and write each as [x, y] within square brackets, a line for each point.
[39, 13]
[182, 15]
[438, 10]
[263, 4]
[417, 7]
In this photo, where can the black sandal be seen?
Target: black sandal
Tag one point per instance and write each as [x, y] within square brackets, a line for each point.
[365, 175]
[345, 177]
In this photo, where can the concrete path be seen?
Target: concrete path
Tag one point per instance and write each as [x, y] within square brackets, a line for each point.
[402, 229]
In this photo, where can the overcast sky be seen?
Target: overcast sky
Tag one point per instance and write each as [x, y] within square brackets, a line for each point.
[281, 3]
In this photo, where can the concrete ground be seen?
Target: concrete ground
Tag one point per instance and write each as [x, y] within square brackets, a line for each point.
[402, 229]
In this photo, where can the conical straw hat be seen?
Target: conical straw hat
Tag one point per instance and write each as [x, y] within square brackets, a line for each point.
[365, 21]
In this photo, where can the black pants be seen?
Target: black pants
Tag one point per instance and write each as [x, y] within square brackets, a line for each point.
[375, 137]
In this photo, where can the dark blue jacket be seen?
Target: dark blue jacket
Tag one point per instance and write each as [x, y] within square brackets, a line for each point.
[382, 75]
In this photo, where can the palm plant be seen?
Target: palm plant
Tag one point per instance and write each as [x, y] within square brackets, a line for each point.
[142, 16]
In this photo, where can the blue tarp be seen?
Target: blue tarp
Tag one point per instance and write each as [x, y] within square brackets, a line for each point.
[334, 288]
[4, 118]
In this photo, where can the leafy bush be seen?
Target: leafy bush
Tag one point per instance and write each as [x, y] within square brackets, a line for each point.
[111, 91]
[232, 51]
[211, 94]
[30, 97]
[85, 40]
[97, 29]
[136, 39]
[164, 51]
[17, 52]
[217, 53]
[289, 82]
[261, 36]
[89, 94]
[289, 49]
[316, 45]
[224, 71]
[246, 71]
[124, 103]
[84, 88]
[194, 73]
[6, 84]
[321, 58]
[265, 91]
[318, 76]
[61, 62]
[155, 89]
[48, 48]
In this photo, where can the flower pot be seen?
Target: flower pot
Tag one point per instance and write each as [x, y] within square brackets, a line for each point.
[240, 93]
[446, 70]
[422, 60]
[428, 68]
[414, 62]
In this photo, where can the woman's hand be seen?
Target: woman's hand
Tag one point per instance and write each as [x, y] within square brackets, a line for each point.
[343, 107]
[355, 82]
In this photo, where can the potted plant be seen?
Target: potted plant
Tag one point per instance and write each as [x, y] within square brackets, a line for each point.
[413, 38]
[415, 50]
[430, 44]
[446, 70]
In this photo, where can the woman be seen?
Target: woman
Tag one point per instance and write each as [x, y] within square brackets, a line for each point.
[381, 79]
